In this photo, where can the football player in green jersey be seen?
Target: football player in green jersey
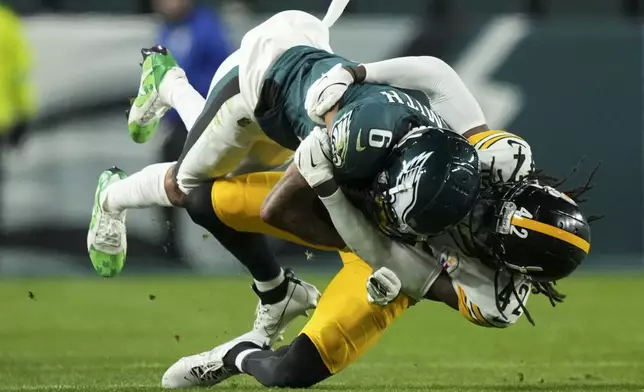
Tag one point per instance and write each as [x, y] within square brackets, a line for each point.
[253, 119]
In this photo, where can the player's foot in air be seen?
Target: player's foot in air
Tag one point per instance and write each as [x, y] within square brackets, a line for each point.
[106, 239]
[208, 368]
[148, 107]
[273, 317]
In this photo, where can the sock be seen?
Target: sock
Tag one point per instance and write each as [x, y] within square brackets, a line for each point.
[270, 284]
[297, 365]
[274, 294]
[240, 358]
[176, 91]
[140, 190]
[242, 349]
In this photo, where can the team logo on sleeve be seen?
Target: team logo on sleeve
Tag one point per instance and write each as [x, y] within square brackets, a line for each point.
[340, 139]
[449, 261]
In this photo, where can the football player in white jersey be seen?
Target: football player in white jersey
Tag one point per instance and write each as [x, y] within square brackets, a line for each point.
[510, 245]
[225, 139]
[414, 288]
[520, 237]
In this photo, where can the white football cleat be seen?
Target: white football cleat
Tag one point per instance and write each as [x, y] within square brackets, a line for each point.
[272, 320]
[208, 368]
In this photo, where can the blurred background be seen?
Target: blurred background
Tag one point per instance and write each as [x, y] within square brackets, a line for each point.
[566, 75]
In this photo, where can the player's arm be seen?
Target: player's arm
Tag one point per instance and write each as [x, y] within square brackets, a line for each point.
[448, 95]
[478, 302]
[414, 268]
[416, 271]
[288, 206]
[421, 275]
[292, 206]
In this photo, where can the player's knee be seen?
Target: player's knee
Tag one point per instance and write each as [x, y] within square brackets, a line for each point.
[175, 195]
[198, 204]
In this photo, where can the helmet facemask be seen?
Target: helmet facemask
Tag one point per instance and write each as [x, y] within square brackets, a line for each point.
[490, 222]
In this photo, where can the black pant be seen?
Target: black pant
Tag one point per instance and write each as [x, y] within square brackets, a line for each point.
[297, 365]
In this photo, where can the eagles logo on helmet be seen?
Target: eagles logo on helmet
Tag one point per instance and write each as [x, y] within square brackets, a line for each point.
[429, 183]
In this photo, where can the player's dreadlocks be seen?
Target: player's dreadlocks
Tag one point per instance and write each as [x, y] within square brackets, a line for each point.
[576, 194]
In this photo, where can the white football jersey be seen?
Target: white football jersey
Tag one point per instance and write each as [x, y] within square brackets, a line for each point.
[504, 157]
[474, 282]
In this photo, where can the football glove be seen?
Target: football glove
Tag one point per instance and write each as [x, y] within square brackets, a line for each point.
[325, 92]
[383, 286]
[311, 158]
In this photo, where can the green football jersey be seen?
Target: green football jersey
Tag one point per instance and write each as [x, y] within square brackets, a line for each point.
[280, 111]
[371, 120]
[366, 129]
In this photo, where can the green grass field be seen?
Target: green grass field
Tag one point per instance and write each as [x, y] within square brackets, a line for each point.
[121, 334]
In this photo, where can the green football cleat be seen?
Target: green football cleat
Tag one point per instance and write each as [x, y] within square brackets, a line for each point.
[148, 108]
[107, 237]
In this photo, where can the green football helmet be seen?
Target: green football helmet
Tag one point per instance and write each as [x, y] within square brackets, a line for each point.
[429, 183]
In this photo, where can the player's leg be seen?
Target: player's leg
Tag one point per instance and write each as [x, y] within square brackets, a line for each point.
[344, 326]
[236, 202]
[229, 208]
[216, 144]
[264, 44]
[213, 151]
[168, 87]
[163, 86]
[296, 365]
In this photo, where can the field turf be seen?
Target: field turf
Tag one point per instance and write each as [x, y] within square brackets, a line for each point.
[121, 334]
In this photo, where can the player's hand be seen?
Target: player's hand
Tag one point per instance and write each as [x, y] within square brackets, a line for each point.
[312, 158]
[325, 92]
[383, 286]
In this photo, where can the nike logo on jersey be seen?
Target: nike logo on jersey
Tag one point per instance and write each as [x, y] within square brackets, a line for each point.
[313, 165]
[359, 146]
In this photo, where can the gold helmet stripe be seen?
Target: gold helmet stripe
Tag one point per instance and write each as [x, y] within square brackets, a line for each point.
[495, 139]
[484, 140]
[551, 231]
[477, 137]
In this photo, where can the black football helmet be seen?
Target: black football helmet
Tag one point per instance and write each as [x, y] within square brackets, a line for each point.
[430, 182]
[531, 229]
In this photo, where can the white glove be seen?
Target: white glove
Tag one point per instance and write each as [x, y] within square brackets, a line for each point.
[383, 286]
[325, 92]
[311, 158]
